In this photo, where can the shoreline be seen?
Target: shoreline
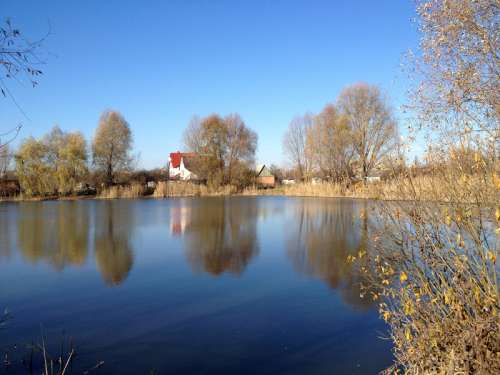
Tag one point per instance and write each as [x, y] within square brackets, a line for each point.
[419, 189]
[97, 197]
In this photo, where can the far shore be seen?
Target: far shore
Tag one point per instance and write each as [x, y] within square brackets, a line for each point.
[389, 190]
[264, 193]
[281, 191]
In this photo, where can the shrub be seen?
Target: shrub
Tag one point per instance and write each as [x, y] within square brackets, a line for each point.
[435, 262]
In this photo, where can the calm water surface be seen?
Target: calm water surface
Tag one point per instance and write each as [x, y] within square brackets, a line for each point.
[254, 285]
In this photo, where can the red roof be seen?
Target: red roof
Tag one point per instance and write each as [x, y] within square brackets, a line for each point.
[176, 157]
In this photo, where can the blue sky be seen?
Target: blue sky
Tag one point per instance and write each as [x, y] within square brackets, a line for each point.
[161, 62]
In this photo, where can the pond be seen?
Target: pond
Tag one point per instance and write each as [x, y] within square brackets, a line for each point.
[192, 285]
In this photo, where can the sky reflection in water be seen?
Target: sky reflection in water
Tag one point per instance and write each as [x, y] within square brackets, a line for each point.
[247, 285]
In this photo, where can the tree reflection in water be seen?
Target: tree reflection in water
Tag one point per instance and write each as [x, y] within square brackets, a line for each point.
[7, 227]
[325, 233]
[221, 235]
[58, 233]
[113, 251]
[54, 232]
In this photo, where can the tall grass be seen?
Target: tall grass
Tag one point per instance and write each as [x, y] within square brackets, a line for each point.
[36, 358]
[397, 188]
[166, 189]
[128, 191]
[435, 262]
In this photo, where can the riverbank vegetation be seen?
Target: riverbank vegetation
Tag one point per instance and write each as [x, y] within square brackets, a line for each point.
[347, 140]
[59, 164]
[436, 264]
[224, 148]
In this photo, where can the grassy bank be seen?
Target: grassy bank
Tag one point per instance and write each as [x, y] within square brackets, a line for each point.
[421, 188]
[424, 188]
[186, 189]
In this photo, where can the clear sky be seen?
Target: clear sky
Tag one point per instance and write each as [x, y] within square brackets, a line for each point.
[161, 62]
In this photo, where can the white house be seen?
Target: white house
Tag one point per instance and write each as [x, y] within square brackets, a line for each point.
[178, 164]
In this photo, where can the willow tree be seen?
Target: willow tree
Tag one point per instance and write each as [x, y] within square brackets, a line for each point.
[112, 145]
[373, 129]
[67, 154]
[54, 164]
[36, 175]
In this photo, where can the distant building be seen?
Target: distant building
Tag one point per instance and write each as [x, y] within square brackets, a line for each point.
[179, 166]
[264, 176]
[372, 179]
[316, 180]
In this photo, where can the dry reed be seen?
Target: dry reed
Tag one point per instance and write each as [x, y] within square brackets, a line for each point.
[130, 191]
[166, 189]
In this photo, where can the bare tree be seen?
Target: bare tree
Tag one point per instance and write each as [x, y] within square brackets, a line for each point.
[329, 142]
[5, 160]
[18, 57]
[457, 68]
[9, 135]
[372, 125]
[241, 146]
[111, 145]
[294, 144]
[192, 134]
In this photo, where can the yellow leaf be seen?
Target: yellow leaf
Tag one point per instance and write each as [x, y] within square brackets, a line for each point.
[386, 314]
[447, 297]
[408, 334]
[403, 277]
[477, 294]
[496, 179]
[408, 308]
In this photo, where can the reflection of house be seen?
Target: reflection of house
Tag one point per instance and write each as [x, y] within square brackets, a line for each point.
[179, 219]
[264, 176]
[179, 166]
